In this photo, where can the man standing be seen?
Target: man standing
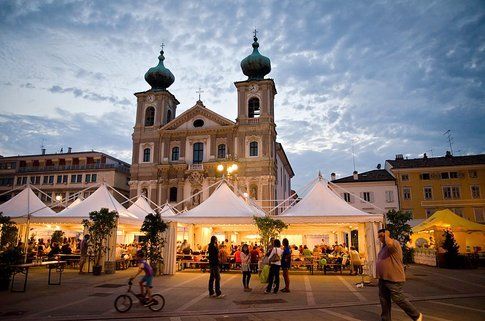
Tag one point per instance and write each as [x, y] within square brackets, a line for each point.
[84, 252]
[214, 269]
[390, 271]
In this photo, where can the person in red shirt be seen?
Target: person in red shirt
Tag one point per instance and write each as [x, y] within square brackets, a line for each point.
[255, 255]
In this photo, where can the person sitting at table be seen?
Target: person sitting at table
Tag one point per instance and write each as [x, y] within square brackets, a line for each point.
[66, 248]
[186, 247]
[40, 247]
[306, 252]
[55, 249]
[316, 250]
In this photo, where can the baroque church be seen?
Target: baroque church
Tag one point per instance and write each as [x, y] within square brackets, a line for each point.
[179, 158]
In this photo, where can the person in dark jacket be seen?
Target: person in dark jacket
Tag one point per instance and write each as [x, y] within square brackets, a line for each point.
[215, 274]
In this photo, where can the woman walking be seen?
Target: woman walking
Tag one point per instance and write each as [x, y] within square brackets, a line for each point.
[246, 267]
[286, 264]
[275, 264]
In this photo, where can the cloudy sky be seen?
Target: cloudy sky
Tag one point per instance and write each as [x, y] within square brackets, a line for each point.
[386, 77]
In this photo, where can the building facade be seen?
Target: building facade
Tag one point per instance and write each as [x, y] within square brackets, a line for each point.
[374, 192]
[429, 184]
[62, 175]
[178, 157]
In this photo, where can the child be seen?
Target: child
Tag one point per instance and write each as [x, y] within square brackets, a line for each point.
[147, 278]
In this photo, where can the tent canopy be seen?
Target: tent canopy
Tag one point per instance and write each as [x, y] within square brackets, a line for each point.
[24, 203]
[322, 205]
[447, 219]
[101, 198]
[167, 211]
[140, 208]
[76, 202]
[222, 207]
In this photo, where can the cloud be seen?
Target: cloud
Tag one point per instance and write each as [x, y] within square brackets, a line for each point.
[85, 94]
[381, 77]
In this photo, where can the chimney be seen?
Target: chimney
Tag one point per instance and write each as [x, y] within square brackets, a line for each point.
[69, 150]
[332, 176]
[399, 156]
[356, 176]
[425, 156]
[448, 154]
[378, 166]
[43, 151]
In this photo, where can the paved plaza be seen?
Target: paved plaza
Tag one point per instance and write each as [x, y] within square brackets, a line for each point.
[439, 293]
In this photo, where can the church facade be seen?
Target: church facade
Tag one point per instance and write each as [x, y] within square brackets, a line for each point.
[179, 158]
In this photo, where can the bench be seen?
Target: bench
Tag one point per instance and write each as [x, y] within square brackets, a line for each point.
[24, 269]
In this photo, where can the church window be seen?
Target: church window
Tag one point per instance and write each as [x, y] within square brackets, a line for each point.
[198, 123]
[253, 149]
[221, 151]
[198, 153]
[253, 108]
[169, 115]
[149, 116]
[175, 154]
[146, 155]
[173, 194]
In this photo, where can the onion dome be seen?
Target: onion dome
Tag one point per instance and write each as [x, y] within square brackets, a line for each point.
[256, 66]
[159, 77]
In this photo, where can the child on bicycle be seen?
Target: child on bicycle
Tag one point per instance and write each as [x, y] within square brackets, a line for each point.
[147, 278]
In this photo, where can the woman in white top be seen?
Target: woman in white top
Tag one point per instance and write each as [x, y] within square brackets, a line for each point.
[274, 270]
[245, 267]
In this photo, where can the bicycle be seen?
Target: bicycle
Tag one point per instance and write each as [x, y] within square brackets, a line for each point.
[124, 302]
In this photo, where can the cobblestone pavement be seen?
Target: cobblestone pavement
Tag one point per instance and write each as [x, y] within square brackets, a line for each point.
[439, 293]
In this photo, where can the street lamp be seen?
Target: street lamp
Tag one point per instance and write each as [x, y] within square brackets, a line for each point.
[59, 197]
[230, 169]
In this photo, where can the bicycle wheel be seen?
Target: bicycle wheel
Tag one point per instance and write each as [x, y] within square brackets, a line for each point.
[159, 302]
[123, 303]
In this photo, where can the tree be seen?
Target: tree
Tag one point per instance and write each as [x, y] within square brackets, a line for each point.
[269, 228]
[57, 237]
[100, 226]
[153, 226]
[397, 224]
[8, 231]
[451, 254]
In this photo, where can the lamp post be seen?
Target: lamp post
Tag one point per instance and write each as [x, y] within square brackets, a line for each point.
[230, 170]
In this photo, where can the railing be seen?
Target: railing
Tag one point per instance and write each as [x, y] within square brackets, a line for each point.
[119, 167]
[196, 167]
[253, 121]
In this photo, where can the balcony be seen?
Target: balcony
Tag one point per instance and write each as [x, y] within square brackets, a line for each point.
[119, 167]
[196, 167]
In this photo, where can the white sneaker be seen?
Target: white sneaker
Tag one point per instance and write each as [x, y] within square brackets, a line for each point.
[420, 318]
[220, 296]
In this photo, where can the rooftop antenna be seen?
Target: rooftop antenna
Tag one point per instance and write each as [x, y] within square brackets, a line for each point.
[42, 147]
[450, 139]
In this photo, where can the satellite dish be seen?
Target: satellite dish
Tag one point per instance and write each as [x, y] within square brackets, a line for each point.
[378, 166]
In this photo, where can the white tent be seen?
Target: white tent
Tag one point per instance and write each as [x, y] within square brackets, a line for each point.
[167, 211]
[101, 198]
[222, 207]
[322, 209]
[322, 205]
[76, 202]
[24, 203]
[140, 208]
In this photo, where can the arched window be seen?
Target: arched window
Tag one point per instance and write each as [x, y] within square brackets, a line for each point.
[175, 154]
[173, 194]
[198, 153]
[221, 151]
[146, 155]
[253, 192]
[253, 108]
[253, 149]
[149, 116]
[169, 115]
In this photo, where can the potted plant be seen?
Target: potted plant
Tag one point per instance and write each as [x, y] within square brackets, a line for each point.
[9, 253]
[153, 227]
[100, 226]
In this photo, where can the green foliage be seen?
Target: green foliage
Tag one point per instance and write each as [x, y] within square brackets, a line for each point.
[100, 226]
[57, 237]
[451, 254]
[269, 228]
[397, 224]
[8, 231]
[153, 226]
[12, 256]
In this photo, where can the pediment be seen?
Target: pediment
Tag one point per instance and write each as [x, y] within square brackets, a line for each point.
[185, 121]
